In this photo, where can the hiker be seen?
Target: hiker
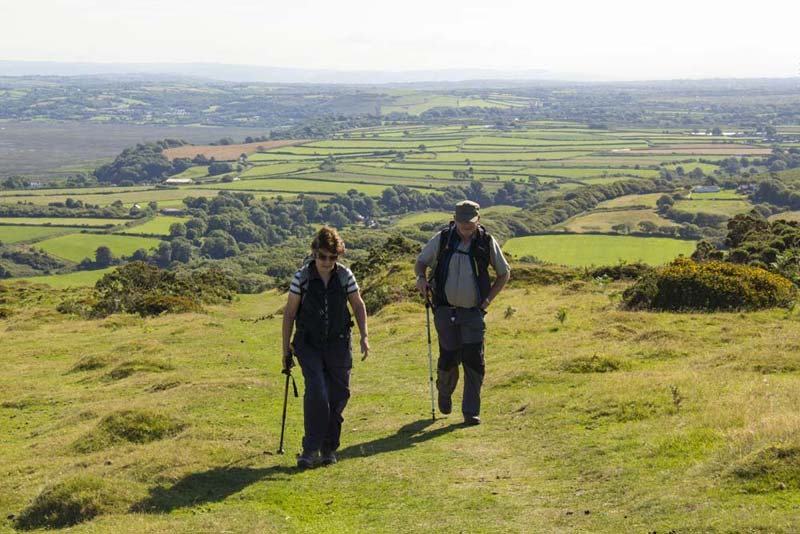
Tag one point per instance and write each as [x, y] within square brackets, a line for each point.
[459, 257]
[317, 303]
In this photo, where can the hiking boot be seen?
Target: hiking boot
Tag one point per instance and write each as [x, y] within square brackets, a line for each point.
[328, 458]
[306, 459]
[445, 404]
[472, 420]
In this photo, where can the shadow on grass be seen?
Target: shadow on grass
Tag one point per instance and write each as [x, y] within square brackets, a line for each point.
[214, 485]
[218, 484]
[405, 437]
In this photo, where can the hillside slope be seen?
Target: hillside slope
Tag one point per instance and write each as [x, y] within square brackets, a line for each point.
[612, 421]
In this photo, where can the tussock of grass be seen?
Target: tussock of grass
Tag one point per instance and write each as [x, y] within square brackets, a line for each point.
[775, 364]
[5, 313]
[89, 363]
[70, 502]
[592, 364]
[772, 468]
[525, 379]
[164, 386]
[615, 331]
[126, 369]
[133, 426]
[624, 411]
[661, 353]
[655, 335]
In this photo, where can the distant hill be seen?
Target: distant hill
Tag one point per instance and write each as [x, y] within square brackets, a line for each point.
[258, 73]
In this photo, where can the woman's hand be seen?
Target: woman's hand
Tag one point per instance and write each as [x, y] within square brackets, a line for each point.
[364, 348]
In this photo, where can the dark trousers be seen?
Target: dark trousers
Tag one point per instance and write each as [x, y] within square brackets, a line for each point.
[461, 333]
[326, 372]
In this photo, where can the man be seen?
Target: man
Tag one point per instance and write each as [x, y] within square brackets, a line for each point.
[459, 258]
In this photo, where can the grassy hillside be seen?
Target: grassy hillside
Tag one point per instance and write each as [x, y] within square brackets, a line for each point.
[611, 421]
[584, 250]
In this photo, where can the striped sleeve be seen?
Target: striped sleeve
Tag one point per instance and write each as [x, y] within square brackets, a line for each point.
[294, 287]
[352, 285]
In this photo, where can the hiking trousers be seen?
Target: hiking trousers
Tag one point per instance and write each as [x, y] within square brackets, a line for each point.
[461, 333]
[326, 372]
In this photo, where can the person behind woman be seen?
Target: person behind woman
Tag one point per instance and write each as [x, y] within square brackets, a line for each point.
[317, 305]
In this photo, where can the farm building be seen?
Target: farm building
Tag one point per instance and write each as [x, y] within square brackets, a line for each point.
[172, 211]
[706, 189]
[178, 181]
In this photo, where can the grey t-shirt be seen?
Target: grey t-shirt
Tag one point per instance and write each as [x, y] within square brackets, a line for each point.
[461, 288]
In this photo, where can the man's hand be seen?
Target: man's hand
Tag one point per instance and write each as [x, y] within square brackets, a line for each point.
[288, 362]
[364, 348]
[422, 286]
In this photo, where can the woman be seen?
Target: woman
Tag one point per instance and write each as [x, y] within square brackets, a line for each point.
[317, 304]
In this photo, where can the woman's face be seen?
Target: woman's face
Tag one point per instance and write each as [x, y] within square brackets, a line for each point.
[325, 260]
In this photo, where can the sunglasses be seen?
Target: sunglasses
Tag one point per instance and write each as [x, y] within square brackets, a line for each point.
[327, 257]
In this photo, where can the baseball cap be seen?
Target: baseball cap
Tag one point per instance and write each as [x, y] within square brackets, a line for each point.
[467, 211]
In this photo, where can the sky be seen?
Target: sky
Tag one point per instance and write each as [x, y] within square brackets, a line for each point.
[609, 40]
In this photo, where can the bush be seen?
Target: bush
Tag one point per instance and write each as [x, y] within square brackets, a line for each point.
[708, 286]
[622, 271]
[146, 290]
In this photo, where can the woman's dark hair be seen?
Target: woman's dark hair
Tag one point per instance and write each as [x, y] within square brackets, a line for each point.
[328, 239]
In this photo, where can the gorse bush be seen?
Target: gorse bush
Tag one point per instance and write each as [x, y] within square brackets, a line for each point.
[713, 285]
[146, 290]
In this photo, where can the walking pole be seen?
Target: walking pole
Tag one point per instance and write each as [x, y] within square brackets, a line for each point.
[430, 351]
[288, 373]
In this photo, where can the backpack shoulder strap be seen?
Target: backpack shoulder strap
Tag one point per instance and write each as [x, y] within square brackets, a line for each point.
[444, 238]
[343, 274]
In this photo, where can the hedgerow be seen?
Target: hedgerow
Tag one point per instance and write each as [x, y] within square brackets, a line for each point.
[709, 286]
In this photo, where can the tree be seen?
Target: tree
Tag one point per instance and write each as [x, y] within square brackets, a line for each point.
[648, 227]
[219, 167]
[16, 182]
[177, 230]
[103, 257]
[163, 254]
[181, 249]
[622, 228]
[219, 244]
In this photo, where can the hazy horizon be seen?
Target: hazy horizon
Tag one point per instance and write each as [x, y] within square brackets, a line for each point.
[605, 42]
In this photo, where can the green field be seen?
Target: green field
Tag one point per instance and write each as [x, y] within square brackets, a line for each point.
[415, 219]
[728, 208]
[159, 225]
[603, 221]
[288, 185]
[585, 250]
[15, 234]
[63, 221]
[260, 170]
[76, 247]
[628, 201]
[63, 281]
[786, 216]
[70, 191]
[128, 199]
[193, 173]
[724, 194]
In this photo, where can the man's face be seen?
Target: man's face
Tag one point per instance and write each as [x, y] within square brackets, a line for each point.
[466, 229]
